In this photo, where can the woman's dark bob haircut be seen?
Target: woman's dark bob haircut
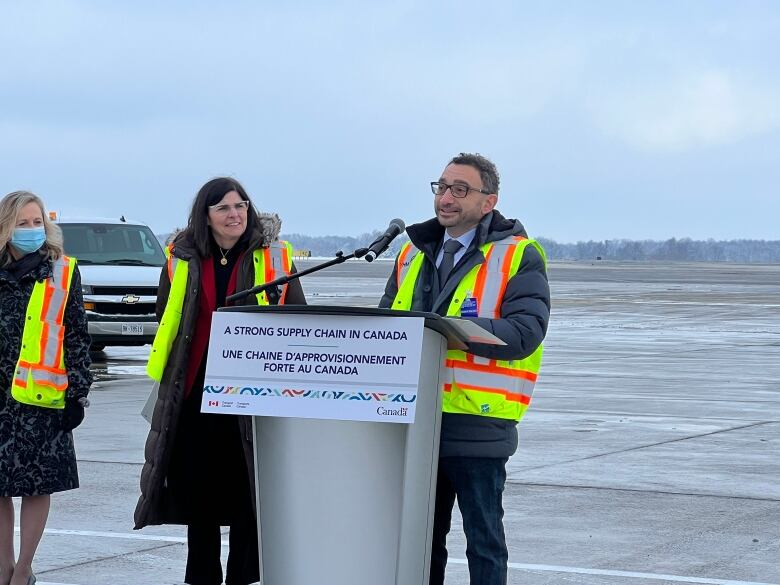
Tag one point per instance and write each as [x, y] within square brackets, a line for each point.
[198, 233]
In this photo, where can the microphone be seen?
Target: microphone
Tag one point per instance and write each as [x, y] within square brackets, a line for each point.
[395, 228]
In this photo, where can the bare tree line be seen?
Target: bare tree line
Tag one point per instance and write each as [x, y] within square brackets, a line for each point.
[673, 249]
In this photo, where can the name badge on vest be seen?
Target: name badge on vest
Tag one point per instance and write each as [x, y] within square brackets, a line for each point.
[469, 307]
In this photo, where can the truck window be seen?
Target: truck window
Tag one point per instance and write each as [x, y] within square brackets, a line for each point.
[112, 244]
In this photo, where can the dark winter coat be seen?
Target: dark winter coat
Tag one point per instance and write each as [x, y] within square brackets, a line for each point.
[525, 312]
[36, 454]
[152, 507]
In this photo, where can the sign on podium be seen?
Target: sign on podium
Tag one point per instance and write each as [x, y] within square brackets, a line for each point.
[342, 367]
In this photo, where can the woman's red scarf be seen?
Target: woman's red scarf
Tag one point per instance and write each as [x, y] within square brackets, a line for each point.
[206, 307]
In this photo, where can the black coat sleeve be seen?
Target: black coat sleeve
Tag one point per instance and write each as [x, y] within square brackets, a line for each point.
[163, 290]
[525, 312]
[295, 294]
[76, 341]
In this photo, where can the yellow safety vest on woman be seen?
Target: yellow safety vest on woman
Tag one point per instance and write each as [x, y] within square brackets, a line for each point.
[473, 384]
[40, 378]
[270, 263]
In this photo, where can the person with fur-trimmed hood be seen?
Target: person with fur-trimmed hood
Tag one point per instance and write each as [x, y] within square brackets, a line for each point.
[192, 456]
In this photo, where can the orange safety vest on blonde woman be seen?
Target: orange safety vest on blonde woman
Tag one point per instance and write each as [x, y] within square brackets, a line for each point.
[270, 263]
[40, 378]
[473, 384]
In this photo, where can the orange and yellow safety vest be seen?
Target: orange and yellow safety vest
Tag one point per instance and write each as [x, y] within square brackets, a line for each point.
[40, 378]
[473, 384]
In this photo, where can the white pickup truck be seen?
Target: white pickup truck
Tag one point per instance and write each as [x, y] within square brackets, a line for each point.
[120, 262]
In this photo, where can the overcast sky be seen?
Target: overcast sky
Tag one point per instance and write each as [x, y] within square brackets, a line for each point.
[606, 119]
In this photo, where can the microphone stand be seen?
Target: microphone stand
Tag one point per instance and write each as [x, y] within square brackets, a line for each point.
[272, 288]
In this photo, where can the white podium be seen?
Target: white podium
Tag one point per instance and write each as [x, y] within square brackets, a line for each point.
[343, 502]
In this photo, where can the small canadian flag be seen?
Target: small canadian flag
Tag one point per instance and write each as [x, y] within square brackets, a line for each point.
[213, 402]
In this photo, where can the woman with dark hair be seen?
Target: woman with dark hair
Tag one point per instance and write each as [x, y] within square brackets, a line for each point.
[43, 382]
[193, 457]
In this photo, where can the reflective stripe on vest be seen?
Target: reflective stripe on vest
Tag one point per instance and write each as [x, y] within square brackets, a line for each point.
[268, 262]
[40, 378]
[474, 384]
[409, 260]
[171, 261]
[272, 263]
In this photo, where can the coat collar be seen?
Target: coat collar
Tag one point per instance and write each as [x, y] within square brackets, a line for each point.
[32, 266]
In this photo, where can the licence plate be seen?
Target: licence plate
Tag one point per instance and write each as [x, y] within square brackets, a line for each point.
[133, 329]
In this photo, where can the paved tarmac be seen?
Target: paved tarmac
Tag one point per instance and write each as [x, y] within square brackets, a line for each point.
[650, 455]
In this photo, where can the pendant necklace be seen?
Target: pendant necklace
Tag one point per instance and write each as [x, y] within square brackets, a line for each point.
[224, 256]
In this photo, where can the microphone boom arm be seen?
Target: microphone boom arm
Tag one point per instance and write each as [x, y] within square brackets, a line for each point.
[281, 281]
[373, 250]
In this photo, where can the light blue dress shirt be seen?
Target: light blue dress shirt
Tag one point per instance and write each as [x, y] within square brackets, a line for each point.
[465, 239]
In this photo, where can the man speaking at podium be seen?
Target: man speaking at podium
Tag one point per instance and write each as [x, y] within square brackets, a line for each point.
[471, 262]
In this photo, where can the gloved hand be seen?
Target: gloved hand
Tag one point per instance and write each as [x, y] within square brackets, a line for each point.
[73, 413]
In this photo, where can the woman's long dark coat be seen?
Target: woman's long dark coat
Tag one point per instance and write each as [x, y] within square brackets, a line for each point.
[36, 455]
[153, 507]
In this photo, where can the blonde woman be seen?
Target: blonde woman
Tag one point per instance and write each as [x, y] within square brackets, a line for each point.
[43, 381]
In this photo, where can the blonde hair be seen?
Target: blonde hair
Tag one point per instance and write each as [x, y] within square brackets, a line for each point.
[10, 207]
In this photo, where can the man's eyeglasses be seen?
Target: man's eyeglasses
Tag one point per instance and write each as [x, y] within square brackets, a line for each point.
[224, 208]
[459, 191]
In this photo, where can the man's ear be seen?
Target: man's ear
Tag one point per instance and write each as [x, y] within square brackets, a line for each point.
[489, 203]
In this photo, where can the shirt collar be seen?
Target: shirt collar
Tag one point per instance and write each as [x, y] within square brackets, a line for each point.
[465, 239]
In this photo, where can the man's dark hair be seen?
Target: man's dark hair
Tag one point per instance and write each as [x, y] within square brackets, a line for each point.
[488, 172]
[197, 232]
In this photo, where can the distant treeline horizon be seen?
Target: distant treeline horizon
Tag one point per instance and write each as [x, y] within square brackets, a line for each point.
[671, 250]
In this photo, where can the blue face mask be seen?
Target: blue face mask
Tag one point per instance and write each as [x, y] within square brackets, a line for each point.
[28, 240]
